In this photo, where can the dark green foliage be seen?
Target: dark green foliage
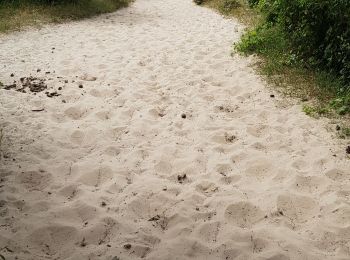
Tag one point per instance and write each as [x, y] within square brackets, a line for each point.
[312, 36]
[253, 3]
[319, 31]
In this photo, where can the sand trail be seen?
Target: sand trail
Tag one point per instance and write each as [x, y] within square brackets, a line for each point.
[159, 144]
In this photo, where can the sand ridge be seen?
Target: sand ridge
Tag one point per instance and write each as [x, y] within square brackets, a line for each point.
[160, 145]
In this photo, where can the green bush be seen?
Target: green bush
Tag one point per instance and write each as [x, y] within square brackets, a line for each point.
[319, 31]
[253, 3]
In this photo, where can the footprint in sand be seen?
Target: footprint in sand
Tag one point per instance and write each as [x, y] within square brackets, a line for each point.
[297, 208]
[208, 232]
[34, 180]
[79, 213]
[104, 115]
[112, 151]
[54, 239]
[70, 192]
[260, 168]
[96, 177]
[310, 184]
[338, 175]
[207, 188]
[101, 232]
[75, 113]
[243, 214]
[77, 137]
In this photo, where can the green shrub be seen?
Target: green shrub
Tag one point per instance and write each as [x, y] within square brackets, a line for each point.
[263, 40]
[318, 30]
[253, 3]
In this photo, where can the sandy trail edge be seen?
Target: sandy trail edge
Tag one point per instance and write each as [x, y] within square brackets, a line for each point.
[84, 178]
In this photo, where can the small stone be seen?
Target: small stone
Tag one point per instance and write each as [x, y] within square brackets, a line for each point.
[103, 204]
[38, 70]
[60, 88]
[337, 128]
[272, 95]
[183, 116]
[348, 149]
[88, 78]
[63, 101]
[81, 86]
[182, 177]
[83, 243]
[12, 75]
[127, 246]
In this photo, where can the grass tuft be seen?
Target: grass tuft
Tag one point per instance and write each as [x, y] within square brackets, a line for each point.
[17, 14]
[236, 8]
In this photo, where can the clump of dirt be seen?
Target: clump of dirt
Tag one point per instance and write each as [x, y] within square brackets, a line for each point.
[32, 84]
[181, 178]
[36, 84]
[230, 138]
[227, 108]
[160, 221]
[52, 94]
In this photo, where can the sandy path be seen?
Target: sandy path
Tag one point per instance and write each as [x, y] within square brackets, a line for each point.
[116, 170]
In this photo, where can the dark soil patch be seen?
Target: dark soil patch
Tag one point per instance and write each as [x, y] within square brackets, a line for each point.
[32, 84]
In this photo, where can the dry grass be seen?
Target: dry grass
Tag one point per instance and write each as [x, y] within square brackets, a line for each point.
[242, 12]
[16, 15]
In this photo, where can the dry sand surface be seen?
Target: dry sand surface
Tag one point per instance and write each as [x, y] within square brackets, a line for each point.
[153, 142]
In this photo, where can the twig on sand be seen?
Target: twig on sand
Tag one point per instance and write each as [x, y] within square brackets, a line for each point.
[1, 136]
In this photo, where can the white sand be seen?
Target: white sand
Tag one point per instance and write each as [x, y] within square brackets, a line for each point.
[82, 179]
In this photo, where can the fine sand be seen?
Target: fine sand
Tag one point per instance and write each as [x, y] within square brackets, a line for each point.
[153, 142]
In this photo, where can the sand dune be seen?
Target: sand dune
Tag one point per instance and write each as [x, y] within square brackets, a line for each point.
[153, 142]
